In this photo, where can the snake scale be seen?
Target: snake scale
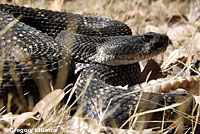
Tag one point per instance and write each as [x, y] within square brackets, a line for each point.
[37, 40]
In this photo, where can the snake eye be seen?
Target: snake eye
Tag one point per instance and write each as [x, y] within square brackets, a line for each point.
[146, 38]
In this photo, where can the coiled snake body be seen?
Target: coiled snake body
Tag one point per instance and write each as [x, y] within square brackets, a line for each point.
[40, 37]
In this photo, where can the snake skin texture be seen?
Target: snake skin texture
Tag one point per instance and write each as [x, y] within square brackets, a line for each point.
[114, 105]
[38, 41]
[24, 52]
[53, 23]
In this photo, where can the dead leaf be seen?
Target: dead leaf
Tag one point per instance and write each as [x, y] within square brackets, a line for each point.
[153, 68]
[181, 32]
[48, 102]
[9, 118]
[176, 19]
[22, 118]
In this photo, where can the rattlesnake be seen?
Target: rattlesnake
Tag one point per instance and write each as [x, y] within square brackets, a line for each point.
[41, 38]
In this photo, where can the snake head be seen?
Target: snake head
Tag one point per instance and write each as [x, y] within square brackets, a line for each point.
[121, 50]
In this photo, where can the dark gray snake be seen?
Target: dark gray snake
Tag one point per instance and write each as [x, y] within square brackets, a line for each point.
[37, 43]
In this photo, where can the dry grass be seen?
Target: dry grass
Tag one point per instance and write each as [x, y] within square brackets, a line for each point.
[179, 19]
